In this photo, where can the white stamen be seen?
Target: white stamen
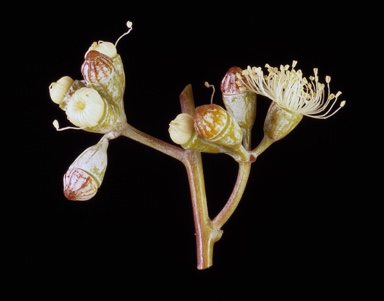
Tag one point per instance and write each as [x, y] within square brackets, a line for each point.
[213, 88]
[56, 125]
[129, 25]
[290, 90]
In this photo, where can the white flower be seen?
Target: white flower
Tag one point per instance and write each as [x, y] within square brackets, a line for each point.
[291, 91]
[85, 108]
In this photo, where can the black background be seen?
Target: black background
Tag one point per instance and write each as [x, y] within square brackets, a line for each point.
[308, 226]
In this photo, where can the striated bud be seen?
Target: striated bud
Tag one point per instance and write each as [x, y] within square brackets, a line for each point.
[241, 104]
[214, 123]
[79, 185]
[96, 103]
[104, 73]
[228, 84]
[85, 108]
[86, 173]
[106, 48]
[58, 90]
[97, 66]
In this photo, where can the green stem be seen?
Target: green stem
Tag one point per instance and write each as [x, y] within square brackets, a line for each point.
[236, 195]
[206, 234]
[263, 145]
[148, 140]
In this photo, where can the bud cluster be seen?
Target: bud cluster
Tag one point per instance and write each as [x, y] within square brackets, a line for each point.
[214, 129]
[94, 104]
[228, 130]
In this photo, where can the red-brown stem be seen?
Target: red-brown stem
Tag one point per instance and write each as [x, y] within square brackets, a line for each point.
[206, 236]
[207, 231]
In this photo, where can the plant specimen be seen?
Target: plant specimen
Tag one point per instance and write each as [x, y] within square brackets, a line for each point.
[96, 104]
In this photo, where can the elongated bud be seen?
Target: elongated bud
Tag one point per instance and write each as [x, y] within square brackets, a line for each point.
[213, 123]
[86, 173]
[105, 75]
[103, 70]
[241, 104]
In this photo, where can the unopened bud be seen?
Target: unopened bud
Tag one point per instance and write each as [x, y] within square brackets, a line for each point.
[86, 173]
[58, 90]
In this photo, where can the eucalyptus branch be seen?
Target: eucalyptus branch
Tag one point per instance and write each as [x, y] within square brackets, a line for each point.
[96, 104]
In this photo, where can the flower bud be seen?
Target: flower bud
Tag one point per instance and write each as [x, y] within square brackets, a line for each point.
[182, 132]
[213, 123]
[85, 108]
[181, 128]
[86, 173]
[58, 90]
[96, 66]
[96, 103]
[90, 112]
[241, 104]
[104, 73]
[106, 48]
